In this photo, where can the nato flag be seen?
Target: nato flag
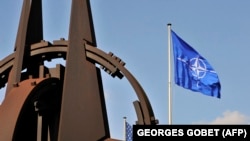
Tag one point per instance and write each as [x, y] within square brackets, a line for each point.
[192, 71]
[129, 132]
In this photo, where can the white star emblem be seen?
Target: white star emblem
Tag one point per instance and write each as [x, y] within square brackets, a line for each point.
[198, 68]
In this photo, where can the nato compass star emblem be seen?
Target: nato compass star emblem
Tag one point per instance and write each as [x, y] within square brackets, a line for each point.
[197, 68]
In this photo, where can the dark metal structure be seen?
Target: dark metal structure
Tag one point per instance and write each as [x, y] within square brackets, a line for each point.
[65, 103]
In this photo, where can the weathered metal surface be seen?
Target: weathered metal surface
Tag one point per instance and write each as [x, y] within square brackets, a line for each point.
[82, 90]
[81, 114]
[115, 68]
[11, 108]
[29, 32]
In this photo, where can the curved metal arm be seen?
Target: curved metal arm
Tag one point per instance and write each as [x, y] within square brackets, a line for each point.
[112, 64]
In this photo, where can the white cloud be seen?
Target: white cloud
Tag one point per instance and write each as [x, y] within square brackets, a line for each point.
[229, 117]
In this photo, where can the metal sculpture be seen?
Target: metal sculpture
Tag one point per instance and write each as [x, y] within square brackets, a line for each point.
[67, 102]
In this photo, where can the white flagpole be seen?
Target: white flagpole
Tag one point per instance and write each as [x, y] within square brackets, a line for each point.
[125, 128]
[169, 77]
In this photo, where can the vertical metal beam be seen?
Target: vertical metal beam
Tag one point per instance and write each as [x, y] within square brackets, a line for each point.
[29, 32]
[39, 128]
[83, 111]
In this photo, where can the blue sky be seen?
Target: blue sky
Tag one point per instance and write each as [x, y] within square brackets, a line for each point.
[136, 31]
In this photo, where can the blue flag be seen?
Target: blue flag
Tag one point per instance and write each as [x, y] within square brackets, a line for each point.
[129, 132]
[192, 71]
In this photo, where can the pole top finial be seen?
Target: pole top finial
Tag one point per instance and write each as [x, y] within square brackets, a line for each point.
[169, 24]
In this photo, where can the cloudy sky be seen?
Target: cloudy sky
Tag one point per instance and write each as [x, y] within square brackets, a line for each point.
[136, 31]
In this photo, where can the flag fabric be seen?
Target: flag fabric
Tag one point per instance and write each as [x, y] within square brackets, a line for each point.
[129, 132]
[192, 71]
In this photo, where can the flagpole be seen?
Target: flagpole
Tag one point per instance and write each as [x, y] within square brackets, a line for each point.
[169, 76]
[124, 118]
